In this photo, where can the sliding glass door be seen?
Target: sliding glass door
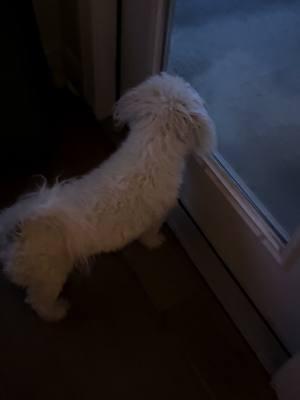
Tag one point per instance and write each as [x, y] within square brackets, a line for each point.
[243, 58]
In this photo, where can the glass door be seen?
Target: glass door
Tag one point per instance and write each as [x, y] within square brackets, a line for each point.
[243, 59]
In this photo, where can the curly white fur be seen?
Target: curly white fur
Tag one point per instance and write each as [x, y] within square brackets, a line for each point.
[47, 233]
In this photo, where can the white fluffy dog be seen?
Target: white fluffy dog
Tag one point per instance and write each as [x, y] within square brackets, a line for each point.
[49, 232]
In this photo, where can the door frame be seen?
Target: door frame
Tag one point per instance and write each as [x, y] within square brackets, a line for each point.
[98, 26]
[252, 252]
[142, 39]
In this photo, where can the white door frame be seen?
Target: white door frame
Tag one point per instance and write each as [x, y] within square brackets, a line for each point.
[251, 250]
[142, 39]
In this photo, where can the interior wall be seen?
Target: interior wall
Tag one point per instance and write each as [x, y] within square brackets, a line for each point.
[80, 38]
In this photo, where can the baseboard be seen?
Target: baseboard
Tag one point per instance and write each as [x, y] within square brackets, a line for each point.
[235, 302]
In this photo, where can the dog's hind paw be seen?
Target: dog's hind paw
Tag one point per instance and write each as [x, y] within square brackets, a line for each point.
[153, 241]
[54, 312]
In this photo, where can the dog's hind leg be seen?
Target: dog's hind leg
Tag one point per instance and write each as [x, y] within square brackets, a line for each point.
[43, 277]
[40, 263]
[44, 298]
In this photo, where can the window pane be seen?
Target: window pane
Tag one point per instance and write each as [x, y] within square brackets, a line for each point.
[244, 58]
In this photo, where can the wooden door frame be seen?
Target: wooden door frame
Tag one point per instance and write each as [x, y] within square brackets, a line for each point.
[98, 42]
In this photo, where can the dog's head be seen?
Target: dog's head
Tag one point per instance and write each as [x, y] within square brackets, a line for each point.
[171, 105]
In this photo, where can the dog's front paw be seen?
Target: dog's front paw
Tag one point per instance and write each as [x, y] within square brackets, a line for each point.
[153, 241]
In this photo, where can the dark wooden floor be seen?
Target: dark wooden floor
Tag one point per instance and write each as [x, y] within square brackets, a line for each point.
[143, 325]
